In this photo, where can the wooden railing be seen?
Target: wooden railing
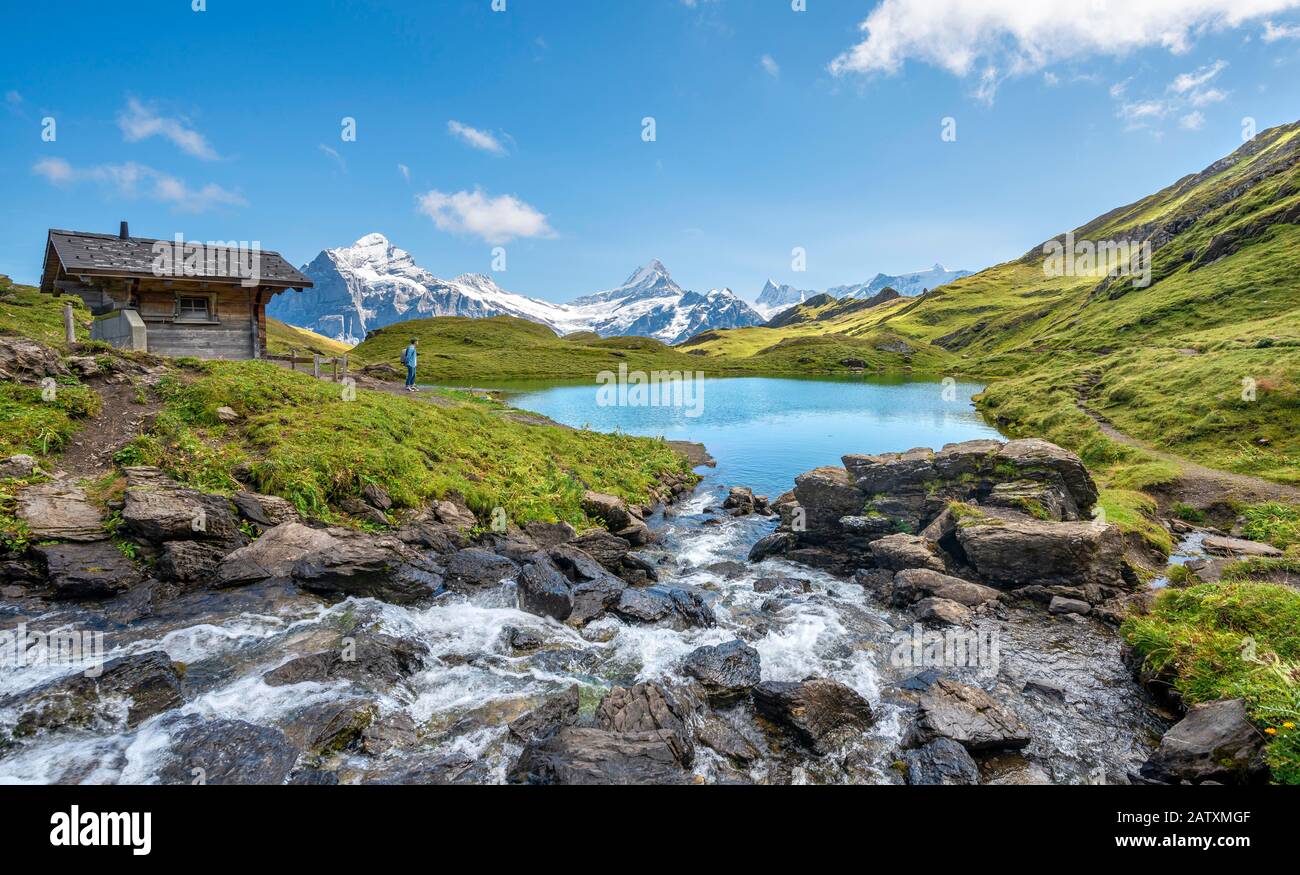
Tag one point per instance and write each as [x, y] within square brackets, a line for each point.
[317, 362]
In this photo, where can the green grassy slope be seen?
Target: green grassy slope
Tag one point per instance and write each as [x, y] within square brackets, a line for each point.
[281, 337]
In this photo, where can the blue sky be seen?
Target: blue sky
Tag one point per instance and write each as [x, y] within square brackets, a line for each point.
[775, 129]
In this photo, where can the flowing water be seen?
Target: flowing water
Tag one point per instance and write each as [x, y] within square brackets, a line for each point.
[1062, 676]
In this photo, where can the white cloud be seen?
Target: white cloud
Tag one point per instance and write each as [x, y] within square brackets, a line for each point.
[405, 171]
[132, 180]
[140, 121]
[484, 141]
[1274, 32]
[1193, 121]
[1000, 38]
[770, 66]
[1186, 82]
[493, 219]
[334, 154]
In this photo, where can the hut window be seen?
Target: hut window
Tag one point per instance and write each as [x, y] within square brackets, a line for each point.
[194, 309]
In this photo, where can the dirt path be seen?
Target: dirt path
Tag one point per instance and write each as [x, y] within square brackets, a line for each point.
[90, 452]
[1198, 485]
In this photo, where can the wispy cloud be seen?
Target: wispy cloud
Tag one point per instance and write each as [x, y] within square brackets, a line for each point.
[493, 219]
[140, 121]
[770, 66]
[334, 154]
[484, 141]
[132, 180]
[1184, 96]
[405, 171]
[997, 39]
[1274, 32]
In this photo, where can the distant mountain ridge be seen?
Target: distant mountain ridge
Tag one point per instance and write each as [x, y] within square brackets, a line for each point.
[372, 284]
[774, 299]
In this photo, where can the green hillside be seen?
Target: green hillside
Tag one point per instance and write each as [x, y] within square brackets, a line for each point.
[282, 337]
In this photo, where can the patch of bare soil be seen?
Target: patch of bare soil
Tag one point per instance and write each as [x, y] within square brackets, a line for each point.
[90, 452]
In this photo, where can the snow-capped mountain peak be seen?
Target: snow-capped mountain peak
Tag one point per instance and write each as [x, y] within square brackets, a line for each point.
[372, 283]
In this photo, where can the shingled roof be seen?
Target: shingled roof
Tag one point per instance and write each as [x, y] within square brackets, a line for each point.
[85, 254]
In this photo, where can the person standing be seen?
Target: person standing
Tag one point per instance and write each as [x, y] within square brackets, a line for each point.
[411, 359]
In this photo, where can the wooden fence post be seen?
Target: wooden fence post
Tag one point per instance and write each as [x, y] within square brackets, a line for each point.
[335, 362]
[315, 366]
[69, 327]
[293, 361]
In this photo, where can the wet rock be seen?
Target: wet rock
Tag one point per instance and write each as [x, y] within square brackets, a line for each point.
[473, 569]
[425, 533]
[548, 535]
[1015, 553]
[900, 552]
[826, 495]
[615, 555]
[266, 511]
[942, 612]
[1060, 605]
[523, 640]
[375, 660]
[87, 570]
[228, 752]
[941, 762]
[741, 501]
[775, 544]
[545, 591]
[1237, 547]
[575, 755]
[1216, 742]
[543, 721]
[392, 729]
[716, 734]
[61, 512]
[726, 671]
[359, 509]
[436, 770]
[314, 778]
[649, 707]
[156, 514]
[968, 715]
[368, 566]
[727, 570]
[18, 467]
[189, 561]
[915, 584]
[377, 497]
[330, 727]
[125, 692]
[818, 711]
[791, 585]
[678, 608]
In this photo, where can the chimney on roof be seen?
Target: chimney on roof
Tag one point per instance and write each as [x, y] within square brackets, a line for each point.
[122, 233]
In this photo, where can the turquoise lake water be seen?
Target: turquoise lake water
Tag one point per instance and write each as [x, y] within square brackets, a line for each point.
[764, 431]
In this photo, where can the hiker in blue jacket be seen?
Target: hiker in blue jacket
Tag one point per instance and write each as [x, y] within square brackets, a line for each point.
[410, 358]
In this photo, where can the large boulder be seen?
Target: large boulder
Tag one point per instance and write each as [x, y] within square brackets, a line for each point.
[94, 570]
[1013, 553]
[545, 591]
[609, 509]
[169, 513]
[266, 511]
[473, 569]
[375, 660]
[577, 755]
[189, 562]
[968, 715]
[331, 726]
[726, 671]
[335, 562]
[915, 584]
[670, 606]
[649, 707]
[941, 762]
[819, 712]
[18, 467]
[26, 361]
[228, 752]
[123, 692]
[826, 495]
[59, 511]
[544, 720]
[1216, 742]
[899, 552]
